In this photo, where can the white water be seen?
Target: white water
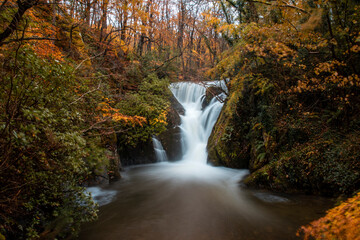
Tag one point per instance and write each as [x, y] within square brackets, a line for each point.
[159, 151]
[197, 123]
[101, 196]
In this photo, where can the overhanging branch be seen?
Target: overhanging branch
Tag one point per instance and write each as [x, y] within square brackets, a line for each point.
[284, 5]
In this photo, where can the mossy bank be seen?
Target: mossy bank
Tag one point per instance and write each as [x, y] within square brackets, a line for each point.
[291, 117]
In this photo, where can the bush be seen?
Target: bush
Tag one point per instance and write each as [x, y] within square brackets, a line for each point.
[45, 155]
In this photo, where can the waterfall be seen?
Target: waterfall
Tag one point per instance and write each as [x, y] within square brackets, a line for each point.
[191, 200]
[197, 123]
[159, 150]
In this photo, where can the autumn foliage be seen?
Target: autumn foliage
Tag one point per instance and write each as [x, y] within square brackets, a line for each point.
[82, 79]
[62, 83]
[341, 222]
[114, 114]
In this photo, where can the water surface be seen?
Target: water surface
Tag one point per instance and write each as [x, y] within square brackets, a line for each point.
[169, 201]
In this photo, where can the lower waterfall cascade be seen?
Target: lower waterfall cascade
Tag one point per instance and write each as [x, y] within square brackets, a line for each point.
[160, 153]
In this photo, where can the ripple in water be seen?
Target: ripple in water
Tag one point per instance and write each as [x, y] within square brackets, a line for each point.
[101, 196]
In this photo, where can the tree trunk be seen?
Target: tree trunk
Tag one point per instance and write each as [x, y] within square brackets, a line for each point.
[103, 20]
[87, 12]
[124, 22]
[23, 7]
[180, 39]
[143, 35]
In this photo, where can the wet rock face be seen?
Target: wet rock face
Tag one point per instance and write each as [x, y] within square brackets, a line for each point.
[99, 178]
[226, 148]
[171, 138]
[171, 141]
[107, 172]
[228, 144]
[176, 109]
[142, 153]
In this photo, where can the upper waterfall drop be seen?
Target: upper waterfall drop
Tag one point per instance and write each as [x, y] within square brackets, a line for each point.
[197, 123]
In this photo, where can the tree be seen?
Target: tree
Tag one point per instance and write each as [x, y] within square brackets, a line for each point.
[22, 7]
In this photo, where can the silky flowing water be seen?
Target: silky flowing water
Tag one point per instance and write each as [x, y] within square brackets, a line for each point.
[190, 200]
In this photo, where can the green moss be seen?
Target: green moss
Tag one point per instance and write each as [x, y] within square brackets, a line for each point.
[291, 140]
[223, 149]
[323, 166]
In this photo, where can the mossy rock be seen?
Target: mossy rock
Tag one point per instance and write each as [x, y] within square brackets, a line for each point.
[323, 167]
[223, 146]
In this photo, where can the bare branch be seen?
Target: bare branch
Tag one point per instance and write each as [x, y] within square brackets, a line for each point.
[89, 58]
[28, 39]
[23, 6]
[168, 61]
[95, 124]
[91, 91]
[285, 5]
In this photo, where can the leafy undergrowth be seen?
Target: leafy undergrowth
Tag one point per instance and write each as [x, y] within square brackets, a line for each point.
[60, 114]
[328, 166]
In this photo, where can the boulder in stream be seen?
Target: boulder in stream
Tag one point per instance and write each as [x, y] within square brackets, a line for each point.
[211, 92]
[171, 138]
[144, 153]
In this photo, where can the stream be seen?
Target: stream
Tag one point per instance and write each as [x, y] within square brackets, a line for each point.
[191, 200]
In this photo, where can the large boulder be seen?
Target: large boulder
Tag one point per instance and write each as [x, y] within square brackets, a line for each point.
[173, 116]
[171, 141]
[144, 153]
[171, 138]
[225, 146]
